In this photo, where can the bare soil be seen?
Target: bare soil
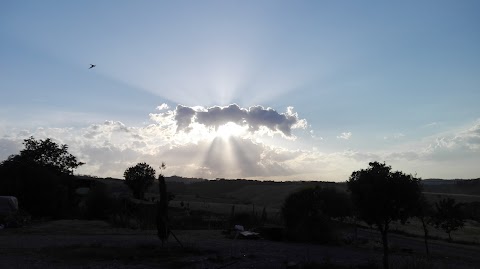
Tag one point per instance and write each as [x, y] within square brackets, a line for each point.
[95, 244]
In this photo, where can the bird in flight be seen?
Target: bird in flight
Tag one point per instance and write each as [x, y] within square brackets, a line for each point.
[92, 66]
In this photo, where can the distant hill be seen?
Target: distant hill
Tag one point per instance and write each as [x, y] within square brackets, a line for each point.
[186, 180]
[452, 186]
[268, 193]
[241, 191]
[437, 181]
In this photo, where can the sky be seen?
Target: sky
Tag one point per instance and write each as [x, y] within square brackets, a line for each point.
[269, 90]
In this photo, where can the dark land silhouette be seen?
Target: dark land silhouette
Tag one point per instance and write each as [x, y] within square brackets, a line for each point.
[379, 218]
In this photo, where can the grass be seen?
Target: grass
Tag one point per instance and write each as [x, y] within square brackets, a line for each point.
[329, 265]
[143, 253]
[469, 234]
[224, 208]
[77, 227]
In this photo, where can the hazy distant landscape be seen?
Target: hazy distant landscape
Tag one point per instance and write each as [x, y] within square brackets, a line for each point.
[273, 193]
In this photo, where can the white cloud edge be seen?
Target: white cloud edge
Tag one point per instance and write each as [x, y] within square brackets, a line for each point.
[345, 135]
[110, 147]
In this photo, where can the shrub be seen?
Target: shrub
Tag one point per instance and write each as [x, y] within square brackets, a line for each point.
[308, 214]
[98, 204]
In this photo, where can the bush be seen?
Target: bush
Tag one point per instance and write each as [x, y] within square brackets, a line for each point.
[41, 178]
[41, 192]
[308, 214]
[131, 213]
[471, 210]
[98, 204]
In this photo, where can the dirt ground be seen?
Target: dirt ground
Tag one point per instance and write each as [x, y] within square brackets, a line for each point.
[95, 244]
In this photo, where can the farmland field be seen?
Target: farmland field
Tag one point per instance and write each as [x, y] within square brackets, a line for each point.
[201, 212]
[95, 244]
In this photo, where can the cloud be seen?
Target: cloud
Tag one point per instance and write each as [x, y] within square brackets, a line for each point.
[431, 124]
[110, 147]
[254, 117]
[113, 126]
[9, 147]
[460, 144]
[234, 158]
[471, 137]
[345, 136]
[183, 117]
[396, 136]
[163, 107]
[404, 155]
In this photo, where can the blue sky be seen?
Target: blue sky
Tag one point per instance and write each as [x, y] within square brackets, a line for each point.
[316, 89]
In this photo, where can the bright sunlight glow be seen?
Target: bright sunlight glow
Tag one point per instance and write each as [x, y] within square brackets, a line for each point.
[230, 129]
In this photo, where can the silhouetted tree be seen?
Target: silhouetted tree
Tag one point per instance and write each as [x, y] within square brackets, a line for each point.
[307, 213]
[40, 177]
[424, 213]
[50, 155]
[382, 196]
[162, 208]
[138, 178]
[448, 216]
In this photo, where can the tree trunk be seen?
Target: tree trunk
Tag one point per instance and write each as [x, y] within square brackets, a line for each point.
[162, 215]
[384, 232]
[425, 231]
[385, 249]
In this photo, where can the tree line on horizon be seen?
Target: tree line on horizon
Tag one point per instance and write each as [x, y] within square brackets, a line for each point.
[41, 177]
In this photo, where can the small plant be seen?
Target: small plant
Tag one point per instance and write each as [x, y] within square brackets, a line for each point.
[448, 216]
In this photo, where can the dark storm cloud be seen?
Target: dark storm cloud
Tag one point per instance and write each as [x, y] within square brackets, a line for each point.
[254, 117]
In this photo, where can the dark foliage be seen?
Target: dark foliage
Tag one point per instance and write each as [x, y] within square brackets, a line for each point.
[162, 208]
[40, 192]
[98, 203]
[448, 216]
[138, 178]
[424, 212]
[471, 210]
[308, 212]
[40, 177]
[49, 154]
[382, 196]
